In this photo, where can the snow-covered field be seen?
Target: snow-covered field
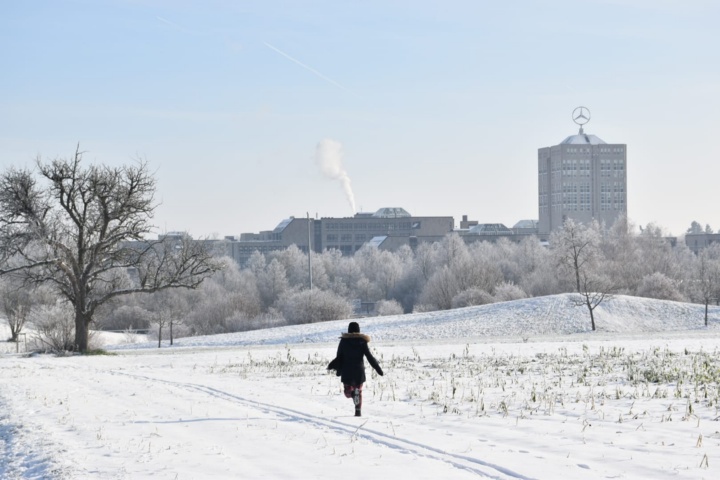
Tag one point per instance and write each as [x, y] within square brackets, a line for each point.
[514, 390]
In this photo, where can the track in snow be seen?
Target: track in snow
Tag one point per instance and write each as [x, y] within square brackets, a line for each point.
[463, 462]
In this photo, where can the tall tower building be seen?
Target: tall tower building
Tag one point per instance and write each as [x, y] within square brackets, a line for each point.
[583, 178]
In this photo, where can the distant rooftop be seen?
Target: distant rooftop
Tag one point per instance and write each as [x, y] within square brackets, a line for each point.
[391, 213]
[490, 229]
[526, 224]
[377, 241]
[583, 139]
[281, 226]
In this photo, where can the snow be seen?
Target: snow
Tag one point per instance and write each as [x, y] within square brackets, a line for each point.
[518, 389]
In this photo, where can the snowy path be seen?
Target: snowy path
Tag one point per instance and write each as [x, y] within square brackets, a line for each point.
[139, 425]
[353, 429]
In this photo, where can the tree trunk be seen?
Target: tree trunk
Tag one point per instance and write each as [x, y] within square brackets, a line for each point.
[592, 315]
[159, 335]
[171, 332]
[577, 277]
[81, 331]
[706, 312]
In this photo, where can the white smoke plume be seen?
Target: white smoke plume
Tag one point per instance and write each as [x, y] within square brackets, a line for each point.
[329, 157]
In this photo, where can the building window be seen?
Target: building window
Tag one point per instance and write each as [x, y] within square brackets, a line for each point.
[332, 237]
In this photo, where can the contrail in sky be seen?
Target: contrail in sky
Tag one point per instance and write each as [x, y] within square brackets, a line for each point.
[307, 67]
[174, 25]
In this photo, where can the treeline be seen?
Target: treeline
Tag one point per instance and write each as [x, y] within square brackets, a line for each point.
[274, 289]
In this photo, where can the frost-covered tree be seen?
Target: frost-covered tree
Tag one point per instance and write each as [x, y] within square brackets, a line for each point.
[471, 297]
[310, 306]
[380, 267]
[167, 309]
[658, 285]
[125, 315]
[707, 276]
[17, 302]
[482, 269]
[576, 248]
[388, 307]
[539, 276]
[79, 229]
[623, 255]
[506, 292]
[695, 228]
[256, 263]
[224, 301]
[54, 326]
[427, 259]
[656, 253]
[341, 273]
[439, 290]
[296, 266]
[272, 282]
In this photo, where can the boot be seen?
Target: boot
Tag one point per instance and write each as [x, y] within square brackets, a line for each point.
[357, 411]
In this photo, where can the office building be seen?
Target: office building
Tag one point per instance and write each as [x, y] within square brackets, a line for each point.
[583, 178]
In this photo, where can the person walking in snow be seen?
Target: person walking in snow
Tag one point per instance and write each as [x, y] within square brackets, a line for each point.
[349, 363]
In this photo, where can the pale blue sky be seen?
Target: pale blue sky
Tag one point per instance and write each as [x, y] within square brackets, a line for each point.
[439, 107]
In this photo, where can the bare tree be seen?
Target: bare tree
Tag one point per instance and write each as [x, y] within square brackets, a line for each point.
[17, 303]
[707, 276]
[54, 327]
[167, 309]
[593, 290]
[576, 249]
[80, 229]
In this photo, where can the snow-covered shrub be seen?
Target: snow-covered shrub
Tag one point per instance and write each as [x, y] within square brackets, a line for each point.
[657, 285]
[388, 307]
[54, 329]
[506, 292]
[239, 322]
[423, 307]
[124, 317]
[470, 297]
[310, 306]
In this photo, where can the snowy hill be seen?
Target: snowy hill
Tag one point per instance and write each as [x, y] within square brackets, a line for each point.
[528, 319]
[520, 319]
[514, 390]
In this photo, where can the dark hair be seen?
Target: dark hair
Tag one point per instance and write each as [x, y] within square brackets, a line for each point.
[353, 327]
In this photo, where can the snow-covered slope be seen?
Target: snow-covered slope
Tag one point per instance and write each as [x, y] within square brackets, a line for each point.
[540, 316]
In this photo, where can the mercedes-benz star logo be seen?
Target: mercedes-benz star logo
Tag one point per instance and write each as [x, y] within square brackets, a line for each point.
[581, 116]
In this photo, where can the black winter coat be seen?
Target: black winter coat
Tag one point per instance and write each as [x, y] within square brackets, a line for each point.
[349, 362]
